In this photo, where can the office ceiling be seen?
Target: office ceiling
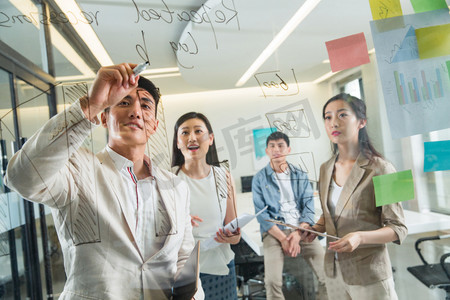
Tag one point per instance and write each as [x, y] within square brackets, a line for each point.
[215, 55]
[223, 38]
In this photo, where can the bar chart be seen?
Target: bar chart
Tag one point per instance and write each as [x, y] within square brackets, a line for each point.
[422, 85]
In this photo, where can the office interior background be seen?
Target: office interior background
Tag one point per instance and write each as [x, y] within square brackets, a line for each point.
[248, 66]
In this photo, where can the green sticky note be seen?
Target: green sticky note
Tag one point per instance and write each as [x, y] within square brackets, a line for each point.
[393, 188]
[448, 67]
[427, 5]
[433, 41]
[383, 9]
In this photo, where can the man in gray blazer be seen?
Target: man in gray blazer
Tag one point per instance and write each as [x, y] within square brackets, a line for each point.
[123, 223]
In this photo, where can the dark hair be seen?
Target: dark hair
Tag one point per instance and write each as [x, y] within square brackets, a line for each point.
[277, 135]
[177, 156]
[149, 87]
[359, 108]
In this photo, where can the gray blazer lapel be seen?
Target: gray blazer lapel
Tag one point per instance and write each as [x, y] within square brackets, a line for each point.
[350, 185]
[116, 186]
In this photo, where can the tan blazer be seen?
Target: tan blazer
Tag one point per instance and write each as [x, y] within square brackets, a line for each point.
[356, 211]
[96, 230]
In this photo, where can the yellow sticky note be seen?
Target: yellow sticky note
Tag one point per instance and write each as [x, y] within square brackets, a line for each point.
[433, 41]
[383, 9]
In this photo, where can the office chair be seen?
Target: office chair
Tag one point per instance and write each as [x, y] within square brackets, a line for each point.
[249, 271]
[433, 275]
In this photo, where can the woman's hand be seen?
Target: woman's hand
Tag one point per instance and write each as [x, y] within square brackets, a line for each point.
[194, 219]
[348, 243]
[227, 237]
[305, 235]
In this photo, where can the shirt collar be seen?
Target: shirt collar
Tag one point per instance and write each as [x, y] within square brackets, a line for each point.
[119, 161]
[271, 172]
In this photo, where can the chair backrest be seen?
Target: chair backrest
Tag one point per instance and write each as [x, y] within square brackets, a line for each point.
[244, 253]
[246, 183]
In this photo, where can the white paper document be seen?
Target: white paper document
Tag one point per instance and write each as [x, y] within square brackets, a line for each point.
[240, 222]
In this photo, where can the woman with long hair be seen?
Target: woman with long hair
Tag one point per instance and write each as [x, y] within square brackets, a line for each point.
[357, 264]
[212, 202]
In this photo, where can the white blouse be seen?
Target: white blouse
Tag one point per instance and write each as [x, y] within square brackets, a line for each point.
[209, 206]
[333, 196]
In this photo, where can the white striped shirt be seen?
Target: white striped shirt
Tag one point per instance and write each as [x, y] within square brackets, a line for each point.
[142, 196]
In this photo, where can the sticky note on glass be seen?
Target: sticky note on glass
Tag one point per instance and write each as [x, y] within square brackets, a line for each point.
[437, 156]
[347, 52]
[427, 5]
[433, 41]
[383, 9]
[393, 188]
[447, 63]
[259, 140]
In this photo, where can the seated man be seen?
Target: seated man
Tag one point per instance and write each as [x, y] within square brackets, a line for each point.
[123, 224]
[287, 192]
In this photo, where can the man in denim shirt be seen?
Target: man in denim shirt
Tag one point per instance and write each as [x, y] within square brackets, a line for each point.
[287, 192]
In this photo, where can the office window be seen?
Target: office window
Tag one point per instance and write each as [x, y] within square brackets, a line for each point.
[433, 187]
[352, 86]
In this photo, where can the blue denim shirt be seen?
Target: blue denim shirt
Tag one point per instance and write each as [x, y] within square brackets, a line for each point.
[266, 191]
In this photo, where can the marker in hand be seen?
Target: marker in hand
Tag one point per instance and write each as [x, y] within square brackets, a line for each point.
[140, 68]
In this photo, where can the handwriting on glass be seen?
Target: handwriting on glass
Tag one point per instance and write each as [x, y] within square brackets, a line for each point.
[293, 123]
[274, 83]
[53, 17]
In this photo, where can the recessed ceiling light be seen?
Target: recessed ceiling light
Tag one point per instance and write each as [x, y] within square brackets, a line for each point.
[284, 33]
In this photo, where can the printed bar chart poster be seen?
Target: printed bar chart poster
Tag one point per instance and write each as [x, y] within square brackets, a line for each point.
[416, 91]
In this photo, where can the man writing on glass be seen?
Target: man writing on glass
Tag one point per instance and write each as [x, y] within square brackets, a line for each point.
[123, 224]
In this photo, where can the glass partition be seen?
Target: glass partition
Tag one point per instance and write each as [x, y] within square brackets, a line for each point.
[22, 30]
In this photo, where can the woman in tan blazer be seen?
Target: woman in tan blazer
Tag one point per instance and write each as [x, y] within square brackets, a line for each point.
[358, 263]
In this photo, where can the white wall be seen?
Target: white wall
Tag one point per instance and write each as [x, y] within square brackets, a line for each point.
[226, 107]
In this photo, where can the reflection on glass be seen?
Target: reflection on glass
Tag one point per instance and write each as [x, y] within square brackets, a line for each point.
[5, 220]
[21, 26]
[63, 67]
[32, 108]
[22, 29]
[69, 93]
[33, 113]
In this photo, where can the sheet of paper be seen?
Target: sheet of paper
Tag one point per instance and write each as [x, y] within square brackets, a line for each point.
[427, 5]
[433, 41]
[437, 156]
[415, 91]
[393, 188]
[347, 52]
[236, 223]
[383, 9]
